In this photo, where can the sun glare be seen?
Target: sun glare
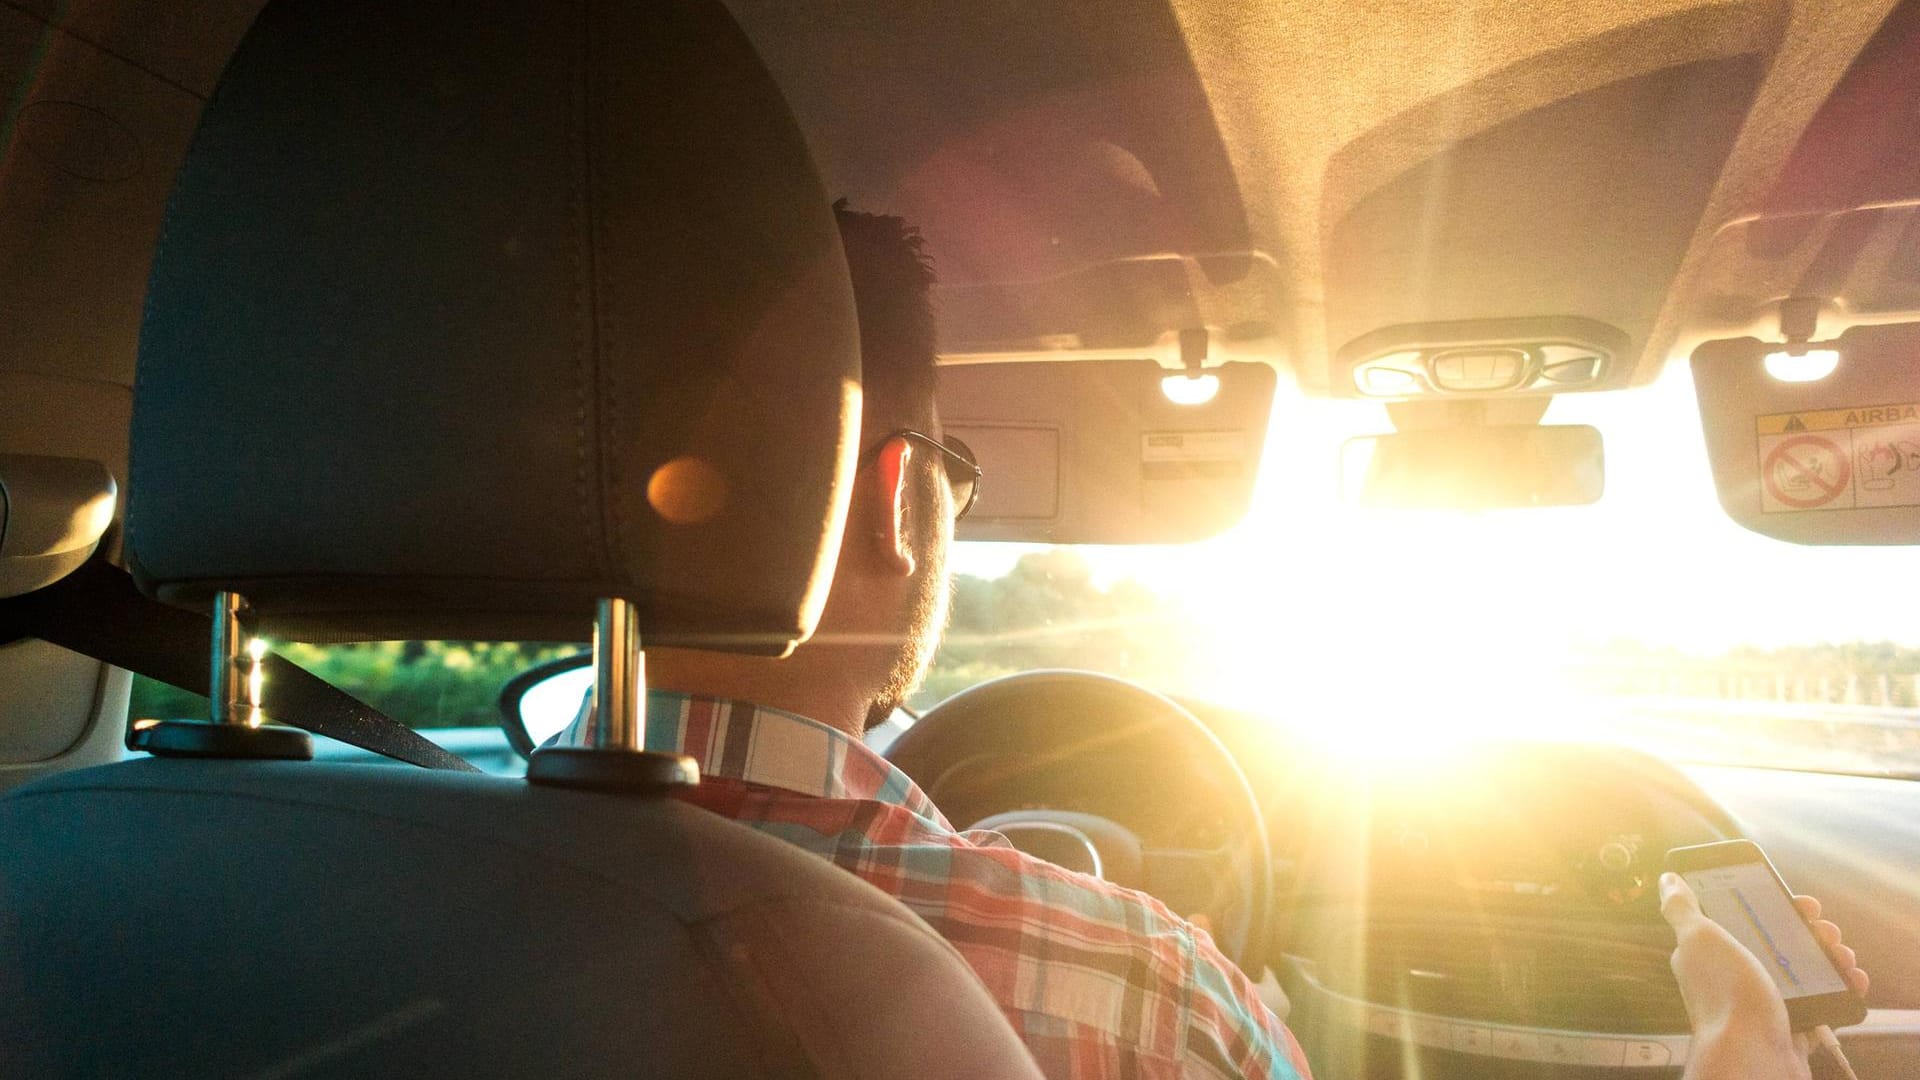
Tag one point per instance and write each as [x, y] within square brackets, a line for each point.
[1411, 650]
[1392, 634]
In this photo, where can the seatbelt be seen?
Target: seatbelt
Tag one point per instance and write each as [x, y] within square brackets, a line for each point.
[97, 611]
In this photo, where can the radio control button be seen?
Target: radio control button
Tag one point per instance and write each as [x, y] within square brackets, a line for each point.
[1431, 1031]
[1469, 1039]
[1519, 1045]
[1642, 1055]
[1384, 1022]
[1562, 1049]
[1609, 1052]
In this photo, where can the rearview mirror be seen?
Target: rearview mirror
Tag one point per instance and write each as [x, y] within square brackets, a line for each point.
[1495, 467]
[539, 703]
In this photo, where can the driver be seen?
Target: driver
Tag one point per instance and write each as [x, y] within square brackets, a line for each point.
[1100, 981]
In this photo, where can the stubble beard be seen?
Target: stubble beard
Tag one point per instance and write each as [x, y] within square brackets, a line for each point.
[925, 619]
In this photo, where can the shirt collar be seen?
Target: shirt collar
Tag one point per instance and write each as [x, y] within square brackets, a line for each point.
[738, 740]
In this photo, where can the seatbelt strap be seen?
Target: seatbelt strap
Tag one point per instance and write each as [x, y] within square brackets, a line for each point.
[97, 611]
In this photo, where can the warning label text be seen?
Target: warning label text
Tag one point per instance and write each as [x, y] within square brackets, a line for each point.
[1839, 459]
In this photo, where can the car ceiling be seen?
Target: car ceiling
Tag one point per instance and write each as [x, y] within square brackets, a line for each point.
[1100, 174]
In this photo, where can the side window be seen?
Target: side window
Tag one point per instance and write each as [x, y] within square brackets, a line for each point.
[425, 684]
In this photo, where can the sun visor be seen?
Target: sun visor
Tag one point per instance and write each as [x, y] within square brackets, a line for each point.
[1817, 443]
[1107, 451]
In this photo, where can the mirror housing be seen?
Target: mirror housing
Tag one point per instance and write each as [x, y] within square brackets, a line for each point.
[540, 702]
[1490, 467]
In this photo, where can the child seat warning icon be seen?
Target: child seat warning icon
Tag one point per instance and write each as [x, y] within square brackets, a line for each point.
[1839, 459]
[1805, 472]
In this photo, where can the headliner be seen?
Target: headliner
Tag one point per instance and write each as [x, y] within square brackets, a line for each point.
[1354, 166]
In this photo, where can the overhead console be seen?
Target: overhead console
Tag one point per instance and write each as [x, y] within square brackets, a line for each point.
[1484, 357]
[1479, 250]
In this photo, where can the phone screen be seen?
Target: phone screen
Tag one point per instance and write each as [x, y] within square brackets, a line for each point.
[1748, 901]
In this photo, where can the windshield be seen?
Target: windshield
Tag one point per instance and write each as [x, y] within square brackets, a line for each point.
[1648, 618]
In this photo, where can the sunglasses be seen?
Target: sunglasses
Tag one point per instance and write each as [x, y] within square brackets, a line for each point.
[963, 472]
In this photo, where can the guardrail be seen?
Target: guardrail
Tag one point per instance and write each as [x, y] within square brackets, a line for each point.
[1896, 716]
[1883, 690]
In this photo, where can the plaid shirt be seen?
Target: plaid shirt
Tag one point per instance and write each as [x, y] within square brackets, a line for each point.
[1100, 981]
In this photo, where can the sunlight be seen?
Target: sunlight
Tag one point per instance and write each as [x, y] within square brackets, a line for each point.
[1403, 673]
[1416, 630]
[1394, 634]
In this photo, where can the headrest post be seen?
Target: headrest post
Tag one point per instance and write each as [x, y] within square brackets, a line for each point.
[605, 748]
[227, 686]
[233, 694]
[619, 679]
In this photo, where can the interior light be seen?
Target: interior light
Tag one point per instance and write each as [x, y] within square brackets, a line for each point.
[1807, 365]
[1190, 389]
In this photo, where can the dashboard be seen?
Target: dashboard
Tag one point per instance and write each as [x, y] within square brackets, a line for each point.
[1499, 904]
[1521, 829]
[1494, 913]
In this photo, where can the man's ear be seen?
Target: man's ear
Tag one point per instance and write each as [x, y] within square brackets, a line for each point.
[886, 522]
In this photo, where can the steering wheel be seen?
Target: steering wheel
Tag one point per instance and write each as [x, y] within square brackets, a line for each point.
[986, 753]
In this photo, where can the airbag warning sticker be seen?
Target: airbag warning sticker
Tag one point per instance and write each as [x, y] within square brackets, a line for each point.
[1839, 459]
[1161, 446]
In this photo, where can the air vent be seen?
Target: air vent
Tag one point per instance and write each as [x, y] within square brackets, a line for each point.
[1524, 978]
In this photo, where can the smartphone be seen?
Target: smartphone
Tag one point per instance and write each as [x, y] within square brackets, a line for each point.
[1738, 888]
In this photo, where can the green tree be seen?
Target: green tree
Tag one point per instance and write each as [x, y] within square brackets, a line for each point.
[1048, 612]
[423, 683]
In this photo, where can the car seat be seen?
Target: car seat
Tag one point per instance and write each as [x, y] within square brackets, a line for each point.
[467, 317]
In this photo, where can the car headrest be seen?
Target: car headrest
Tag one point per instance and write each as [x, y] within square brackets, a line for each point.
[466, 314]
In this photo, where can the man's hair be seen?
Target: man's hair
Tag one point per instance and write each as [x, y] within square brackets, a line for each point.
[892, 287]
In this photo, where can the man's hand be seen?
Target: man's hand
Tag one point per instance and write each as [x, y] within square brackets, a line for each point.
[1738, 1018]
[1844, 961]
[1828, 935]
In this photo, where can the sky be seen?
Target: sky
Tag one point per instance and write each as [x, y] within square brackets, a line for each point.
[1655, 561]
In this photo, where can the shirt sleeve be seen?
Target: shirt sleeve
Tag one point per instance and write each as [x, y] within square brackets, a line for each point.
[1230, 1032]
